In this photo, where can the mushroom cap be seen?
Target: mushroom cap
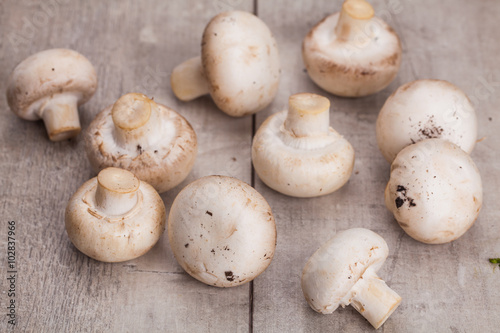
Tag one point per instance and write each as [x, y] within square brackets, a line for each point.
[425, 109]
[114, 238]
[45, 74]
[338, 264]
[301, 167]
[434, 191]
[222, 231]
[164, 164]
[351, 69]
[241, 62]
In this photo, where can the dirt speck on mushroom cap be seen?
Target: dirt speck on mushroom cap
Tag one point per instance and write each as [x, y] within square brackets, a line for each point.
[228, 228]
[435, 191]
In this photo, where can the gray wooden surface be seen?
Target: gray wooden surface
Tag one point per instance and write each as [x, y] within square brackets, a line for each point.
[134, 46]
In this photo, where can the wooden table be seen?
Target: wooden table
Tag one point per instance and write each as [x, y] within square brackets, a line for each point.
[134, 45]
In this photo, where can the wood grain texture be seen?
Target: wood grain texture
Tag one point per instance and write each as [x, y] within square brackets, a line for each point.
[445, 288]
[134, 46]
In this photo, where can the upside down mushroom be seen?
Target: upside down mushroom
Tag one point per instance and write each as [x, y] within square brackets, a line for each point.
[352, 53]
[343, 271]
[297, 153]
[50, 85]
[115, 217]
[425, 109]
[149, 139]
[239, 65]
[222, 231]
[435, 191]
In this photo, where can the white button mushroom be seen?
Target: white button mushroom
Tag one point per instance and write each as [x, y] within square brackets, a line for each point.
[239, 65]
[151, 140]
[343, 271]
[222, 231]
[352, 53]
[115, 217]
[425, 109]
[50, 85]
[297, 153]
[435, 191]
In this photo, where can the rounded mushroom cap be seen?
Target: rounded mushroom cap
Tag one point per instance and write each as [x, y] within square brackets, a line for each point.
[425, 109]
[118, 237]
[351, 68]
[47, 73]
[337, 265]
[301, 167]
[163, 156]
[241, 63]
[222, 231]
[435, 191]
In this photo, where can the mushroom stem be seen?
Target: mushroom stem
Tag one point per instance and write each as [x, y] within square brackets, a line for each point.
[116, 192]
[371, 297]
[137, 123]
[354, 19]
[308, 115]
[188, 80]
[60, 115]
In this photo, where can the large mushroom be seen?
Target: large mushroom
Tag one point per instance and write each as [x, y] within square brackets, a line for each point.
[153, 141]
[239, 65]
[352, 53]
[222, 231]
[435, 191]
[115, 217]
[425, 109]
[297, 153]
[343, 271]
[50, 85]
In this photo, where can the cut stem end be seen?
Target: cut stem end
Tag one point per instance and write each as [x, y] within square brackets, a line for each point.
[60, 115]
[188, 80]
[308, 115]
[116, 192]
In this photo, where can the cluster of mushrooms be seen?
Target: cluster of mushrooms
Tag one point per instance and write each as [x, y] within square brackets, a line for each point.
[221, 230]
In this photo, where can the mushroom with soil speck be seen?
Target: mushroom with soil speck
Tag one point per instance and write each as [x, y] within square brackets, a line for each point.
[222, 231]
[115, 217]
[425, 109]
[239, 65]
[343, 271]
[352, 53]
[50, 85]
[149, 139]
[297, 153]
[435, 191]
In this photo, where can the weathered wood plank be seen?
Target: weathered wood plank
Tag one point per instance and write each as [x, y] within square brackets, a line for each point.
[449, 287]
[134, 47]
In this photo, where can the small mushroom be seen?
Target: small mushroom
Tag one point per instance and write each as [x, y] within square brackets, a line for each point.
[239, 65]
[297, 153]
[50, 85]
[115, 217]
[151, 140]
[425, 109]
[343, 271]
[222, 231]
[352, 53]
[435, 191]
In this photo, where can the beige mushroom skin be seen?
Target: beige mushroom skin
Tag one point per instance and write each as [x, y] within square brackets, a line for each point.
[352, 53]
[149, 139]
[425, 109]
[239, 65]
[435, 191]
[50, 85]
[222, 231]
[343, 272]
[115, 217]
[297, 153]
